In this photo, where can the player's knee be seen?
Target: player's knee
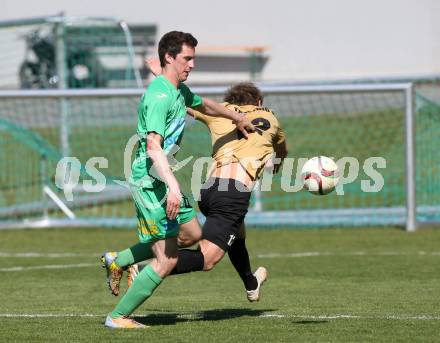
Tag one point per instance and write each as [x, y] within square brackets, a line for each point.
[182, 242]
[165, 266]
[212, 254]
[185, 241]
[190, 233]
[171, 263]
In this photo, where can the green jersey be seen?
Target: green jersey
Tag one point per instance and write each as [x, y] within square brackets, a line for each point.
[162, 110]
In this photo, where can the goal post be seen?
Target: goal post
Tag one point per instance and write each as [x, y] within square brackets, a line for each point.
[410, 132]
[360, 125]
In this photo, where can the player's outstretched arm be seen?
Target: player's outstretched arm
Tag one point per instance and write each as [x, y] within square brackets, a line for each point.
[214, 109]
[209, 107]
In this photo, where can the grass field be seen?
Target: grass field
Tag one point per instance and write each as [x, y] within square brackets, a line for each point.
[335, 285]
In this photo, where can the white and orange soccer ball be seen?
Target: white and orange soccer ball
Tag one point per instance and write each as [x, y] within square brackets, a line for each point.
[320, 175]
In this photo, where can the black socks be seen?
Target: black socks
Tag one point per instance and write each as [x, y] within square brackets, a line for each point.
[193, 260]
[239, 257]
[188, 261]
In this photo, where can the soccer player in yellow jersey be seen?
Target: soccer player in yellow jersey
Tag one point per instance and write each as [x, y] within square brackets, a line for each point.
[224, 198]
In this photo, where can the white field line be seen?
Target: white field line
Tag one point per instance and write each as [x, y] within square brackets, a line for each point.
[48, 266]
[193, 316]
[353, 253]
[45, 255]
[350, 316]
[266, 256]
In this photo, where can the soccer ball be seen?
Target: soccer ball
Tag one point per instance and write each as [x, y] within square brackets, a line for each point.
[320, 175]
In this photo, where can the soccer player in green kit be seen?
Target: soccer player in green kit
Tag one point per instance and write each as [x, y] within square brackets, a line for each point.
[160, 206]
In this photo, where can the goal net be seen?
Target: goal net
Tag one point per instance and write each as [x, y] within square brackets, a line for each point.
[386, 149]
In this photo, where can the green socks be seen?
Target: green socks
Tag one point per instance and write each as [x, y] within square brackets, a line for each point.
[141, 289]
[137, 253]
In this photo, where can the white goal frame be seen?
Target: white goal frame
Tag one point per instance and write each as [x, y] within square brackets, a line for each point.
[404, 216]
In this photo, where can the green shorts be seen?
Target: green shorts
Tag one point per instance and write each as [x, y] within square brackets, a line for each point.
[153, 223]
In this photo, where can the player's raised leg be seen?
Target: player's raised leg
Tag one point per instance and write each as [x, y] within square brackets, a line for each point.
[239, 257]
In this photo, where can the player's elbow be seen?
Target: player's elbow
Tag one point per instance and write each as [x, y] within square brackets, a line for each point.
[154, 150]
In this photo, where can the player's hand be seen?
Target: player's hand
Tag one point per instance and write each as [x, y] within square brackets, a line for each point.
[173, 203]
[245, 126]
[153, 64]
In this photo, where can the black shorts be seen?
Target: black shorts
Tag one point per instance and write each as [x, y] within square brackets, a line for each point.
[224, 203]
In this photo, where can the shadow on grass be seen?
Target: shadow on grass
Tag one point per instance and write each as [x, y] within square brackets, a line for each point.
[171, 318]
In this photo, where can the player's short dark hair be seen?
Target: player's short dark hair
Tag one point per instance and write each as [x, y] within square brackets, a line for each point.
[171, 43]
[243, 93]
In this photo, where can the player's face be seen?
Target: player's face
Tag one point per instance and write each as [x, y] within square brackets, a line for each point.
[184, 62]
